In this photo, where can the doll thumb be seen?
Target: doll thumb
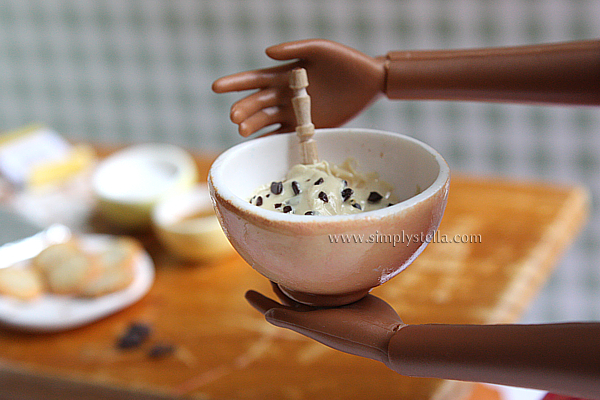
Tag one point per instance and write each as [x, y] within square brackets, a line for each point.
[260, 302]
[303, 49]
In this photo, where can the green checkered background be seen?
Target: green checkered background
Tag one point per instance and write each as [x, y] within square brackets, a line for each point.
[127, 71]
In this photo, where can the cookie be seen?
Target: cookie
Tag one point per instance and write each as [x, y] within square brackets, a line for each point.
[116, 268]
[69, 269]
[67, 276]
[54, 255]
[22, 283]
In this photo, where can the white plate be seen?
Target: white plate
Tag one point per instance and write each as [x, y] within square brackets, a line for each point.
[52, 313]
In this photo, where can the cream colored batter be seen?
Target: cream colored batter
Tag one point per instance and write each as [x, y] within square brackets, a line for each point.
[324, 189]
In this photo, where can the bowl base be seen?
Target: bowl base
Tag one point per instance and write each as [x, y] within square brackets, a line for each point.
[324, 300]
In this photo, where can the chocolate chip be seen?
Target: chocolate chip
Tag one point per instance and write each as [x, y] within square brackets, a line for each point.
[253, 197]
[323, 197]
[346, 193]
[296, 188]
[277, 205]
[345, 182]
[374, 197]
[390, 204]
[319, 181]
[259, 201]
[268, 195]
[357, 206]
[160, 350]
[135, 335]
[309, 213]
[276, 187]
[287, 209]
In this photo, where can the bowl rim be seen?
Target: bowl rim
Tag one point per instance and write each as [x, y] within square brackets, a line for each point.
[269, 217]
[175, 155]
[198, 199]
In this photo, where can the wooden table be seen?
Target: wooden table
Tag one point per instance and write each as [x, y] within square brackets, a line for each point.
[514, 233]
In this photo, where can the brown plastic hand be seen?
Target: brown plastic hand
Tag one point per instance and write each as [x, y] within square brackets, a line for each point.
[562, 358]
[363, 328]
[342, 82]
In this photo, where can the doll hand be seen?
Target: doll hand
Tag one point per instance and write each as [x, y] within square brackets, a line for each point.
[363, 328]
[342, 82]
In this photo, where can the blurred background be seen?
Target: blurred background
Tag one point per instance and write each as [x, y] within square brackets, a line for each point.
[131, 71]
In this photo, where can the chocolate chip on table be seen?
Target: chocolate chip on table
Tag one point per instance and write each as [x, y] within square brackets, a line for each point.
[357, 206]
[276, 187]
[346, 193]
[135, 335]
[374, 197]
[309, 213]
[296, 188]
[319, 181]
[323, 197]
[161, 350]
[287, 209]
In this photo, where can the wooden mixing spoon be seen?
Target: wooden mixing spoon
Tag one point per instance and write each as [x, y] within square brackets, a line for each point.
[304, 128]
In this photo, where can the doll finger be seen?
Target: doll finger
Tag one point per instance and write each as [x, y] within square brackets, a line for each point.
[255, 102]
[284, 51]
[230, 83]
[260, 302]
[347, 332]
[294, 320]
[284, 116]
[302, 49]
[237, 82]
[330, 333]
[262, 119]
[257, 79]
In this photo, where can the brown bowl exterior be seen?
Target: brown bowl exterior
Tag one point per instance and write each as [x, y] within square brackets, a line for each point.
[331, 255]
[307, 259]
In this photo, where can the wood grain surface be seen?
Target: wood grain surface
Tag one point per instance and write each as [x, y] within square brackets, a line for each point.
[224, 350]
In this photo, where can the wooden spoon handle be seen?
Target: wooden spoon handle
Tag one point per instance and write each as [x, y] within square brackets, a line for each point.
[305, 128]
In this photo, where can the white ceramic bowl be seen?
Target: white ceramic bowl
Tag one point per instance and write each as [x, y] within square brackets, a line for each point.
[129, 183]
[194, 239]
[299, 252]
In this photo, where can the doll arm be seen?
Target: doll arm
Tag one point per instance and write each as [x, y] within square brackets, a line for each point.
[562, 73]
[343, 81]
[561, 358]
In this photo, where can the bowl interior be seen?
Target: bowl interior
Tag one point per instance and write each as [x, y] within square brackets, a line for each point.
[410, 166]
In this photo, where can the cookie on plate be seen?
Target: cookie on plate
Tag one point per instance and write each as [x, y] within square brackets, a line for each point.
[116, 268]
[68, 275]
[54, 255]
[22, 283]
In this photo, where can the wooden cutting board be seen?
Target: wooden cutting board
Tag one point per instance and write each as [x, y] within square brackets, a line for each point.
[513, 234]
